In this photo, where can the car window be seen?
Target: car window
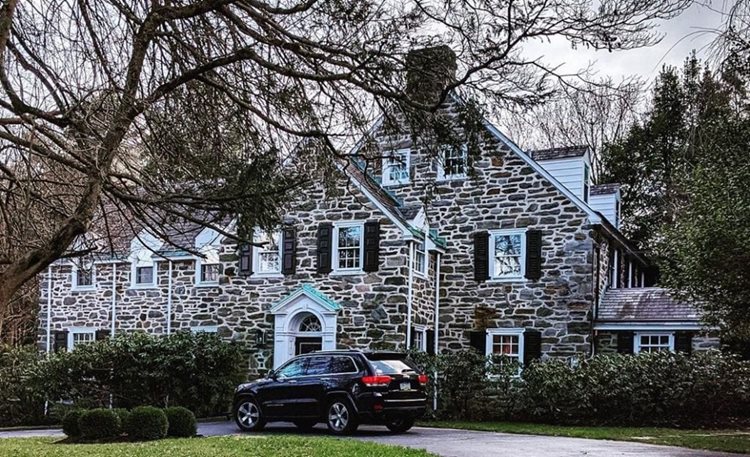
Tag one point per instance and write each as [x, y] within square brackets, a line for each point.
[343, 365]
[318, 365]
[293, 369]
[391, 366]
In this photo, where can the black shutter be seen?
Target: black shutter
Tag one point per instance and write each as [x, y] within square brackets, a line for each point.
[532, 346]
[61, 341]
[625, 342]
[246, 259]
[325, 236]
[372, 246]
[413, 337]
[478, 340]
[289, 250]
[102, 335]
[533, 254]
[481, 256]
[683, 342]
[430, 341]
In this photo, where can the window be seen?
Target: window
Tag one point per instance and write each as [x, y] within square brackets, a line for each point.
[80, 336]
[507, 254]
[506, 342]
[267, 257]
[653, 342]
[144, 276]
[419, 338]
[452, 162]
[348, 248]
[396, 168]
[341, 365]
[391, 366]
[209, 273]
[84, 277]
[293, 369]
[204, 329]
[310, 324]
[318, 365]
[586, 178]
[419, 262]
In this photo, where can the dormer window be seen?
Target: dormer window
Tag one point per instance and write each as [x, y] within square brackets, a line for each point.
[452, 162]
[396, 168]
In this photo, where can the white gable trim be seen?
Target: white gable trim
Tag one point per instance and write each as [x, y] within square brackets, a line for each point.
[280, 306]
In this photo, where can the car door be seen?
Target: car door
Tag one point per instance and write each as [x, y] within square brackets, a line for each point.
[277, 396]
[310, 389]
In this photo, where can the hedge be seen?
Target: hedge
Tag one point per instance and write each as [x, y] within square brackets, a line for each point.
[146, 423]
[70, 423]
[99, 424]
[182, 422]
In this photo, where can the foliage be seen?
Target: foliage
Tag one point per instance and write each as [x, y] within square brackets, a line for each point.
[646, 389]
[182, 422]
[70, 423]
[98, 424]
[272, 446]
[146, 423]
[123, 414]
[197, 371]
[20, 401]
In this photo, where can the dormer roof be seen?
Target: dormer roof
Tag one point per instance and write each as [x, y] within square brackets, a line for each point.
[559, 153]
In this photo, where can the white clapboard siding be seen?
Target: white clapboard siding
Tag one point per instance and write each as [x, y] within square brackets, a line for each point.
[569, 171]
[605, 204]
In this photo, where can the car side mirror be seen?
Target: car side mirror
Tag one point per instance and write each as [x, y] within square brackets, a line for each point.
[273, 375]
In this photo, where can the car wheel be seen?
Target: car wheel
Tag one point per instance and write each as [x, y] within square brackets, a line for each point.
[342, 420]
[248, 415]
[399, 424]
[305, 425]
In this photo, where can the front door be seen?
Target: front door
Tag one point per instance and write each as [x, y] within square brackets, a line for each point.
[307, 344]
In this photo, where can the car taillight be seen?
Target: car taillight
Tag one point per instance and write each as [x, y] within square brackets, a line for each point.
[376, 381]
[422, 379]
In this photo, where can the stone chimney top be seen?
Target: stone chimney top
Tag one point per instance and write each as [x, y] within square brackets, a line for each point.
[429, 71]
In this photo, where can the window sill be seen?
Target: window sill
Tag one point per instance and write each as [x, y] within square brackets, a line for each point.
[420, 275]
[83, 289]
[347, 273]
[396, 184]
[266, 276]
[143, 287]
[451, 178]
[507, 280]
[207, 285]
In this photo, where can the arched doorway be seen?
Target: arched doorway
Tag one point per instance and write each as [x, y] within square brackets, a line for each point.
[309, 335]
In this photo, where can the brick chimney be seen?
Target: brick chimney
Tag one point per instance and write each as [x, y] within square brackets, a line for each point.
[428, 72]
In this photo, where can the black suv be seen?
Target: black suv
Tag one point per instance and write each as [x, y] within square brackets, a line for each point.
[340, 388]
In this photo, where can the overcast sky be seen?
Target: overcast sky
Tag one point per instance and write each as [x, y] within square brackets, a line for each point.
[680, 35]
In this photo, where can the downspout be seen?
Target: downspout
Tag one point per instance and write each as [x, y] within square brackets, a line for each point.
[114, 298]
[49, 309]
[169, 300]
[630, 273]
[409, 295]
[435, 329]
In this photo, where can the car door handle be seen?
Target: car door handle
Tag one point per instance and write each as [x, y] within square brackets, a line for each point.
[292, 381]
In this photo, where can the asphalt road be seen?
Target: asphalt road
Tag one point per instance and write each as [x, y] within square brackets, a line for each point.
[459, 443]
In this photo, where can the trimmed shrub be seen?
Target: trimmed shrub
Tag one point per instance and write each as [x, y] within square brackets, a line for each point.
[21, 399]
[147, 423]
[182, 422]
[98, 424]
[70, 423]
[123, 414]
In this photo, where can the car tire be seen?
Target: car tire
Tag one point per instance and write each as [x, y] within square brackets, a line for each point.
[305, 425]
[248, 415]
[341, 417]
[399, 424]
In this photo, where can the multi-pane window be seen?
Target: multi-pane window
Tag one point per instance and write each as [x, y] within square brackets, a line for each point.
[144, 275]
[81, 337]
[396, 167]
[83, 277]
[210, 272]
[452, 162]
[507, 343]
[348, 255]
[507, 254]
[268, 254]
[654, 342]
[419, 263]
[419, 339]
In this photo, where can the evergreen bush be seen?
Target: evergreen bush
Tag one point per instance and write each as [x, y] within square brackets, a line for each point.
[146, 423]
[99, 424]
[182, 422]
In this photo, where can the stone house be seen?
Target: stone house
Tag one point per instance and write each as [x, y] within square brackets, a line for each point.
[432, 249]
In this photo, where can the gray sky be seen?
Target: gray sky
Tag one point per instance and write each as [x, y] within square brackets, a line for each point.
[680, 35]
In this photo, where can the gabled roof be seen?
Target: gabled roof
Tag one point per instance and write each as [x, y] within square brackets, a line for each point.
[559, 153]
[604, 189]
[643, 305]
[310, 292]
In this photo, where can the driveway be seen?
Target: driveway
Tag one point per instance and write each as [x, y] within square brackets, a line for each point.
[460, 443]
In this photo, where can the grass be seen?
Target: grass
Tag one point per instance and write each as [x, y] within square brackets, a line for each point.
[230, 446]
[714, 440]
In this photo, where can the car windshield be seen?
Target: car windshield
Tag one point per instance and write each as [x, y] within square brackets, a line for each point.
[394, 366]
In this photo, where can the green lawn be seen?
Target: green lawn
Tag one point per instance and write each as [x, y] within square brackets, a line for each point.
[233, 446]
[715, 440]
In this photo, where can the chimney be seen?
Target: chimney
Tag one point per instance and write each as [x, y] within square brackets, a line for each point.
[428, 72]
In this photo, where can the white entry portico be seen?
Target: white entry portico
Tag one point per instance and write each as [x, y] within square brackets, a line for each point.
[305, 319]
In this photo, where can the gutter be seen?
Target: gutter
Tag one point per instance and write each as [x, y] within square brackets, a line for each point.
[409, 296]
[438, 256]
[169, 300]
[114, 299]
[49, 309]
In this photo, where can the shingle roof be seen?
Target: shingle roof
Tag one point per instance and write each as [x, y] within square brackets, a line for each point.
[644, 304]
[559, 153]
[604, 189]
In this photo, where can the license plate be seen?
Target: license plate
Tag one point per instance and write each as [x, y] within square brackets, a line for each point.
[406, 385]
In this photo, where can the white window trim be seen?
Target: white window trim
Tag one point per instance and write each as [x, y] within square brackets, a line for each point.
[395, 159]
[77, 331]
[335, 248]
[637, 340]
[74, 279]
[256, 258]
[521, 276]
[422, 271]
[204, 329]
[199, 263]
[441, 176]
[506, 331]
[421, 330]
[134, 276]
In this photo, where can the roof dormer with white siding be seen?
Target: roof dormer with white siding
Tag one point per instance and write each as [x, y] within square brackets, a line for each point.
[605, 199]
[571, 166]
